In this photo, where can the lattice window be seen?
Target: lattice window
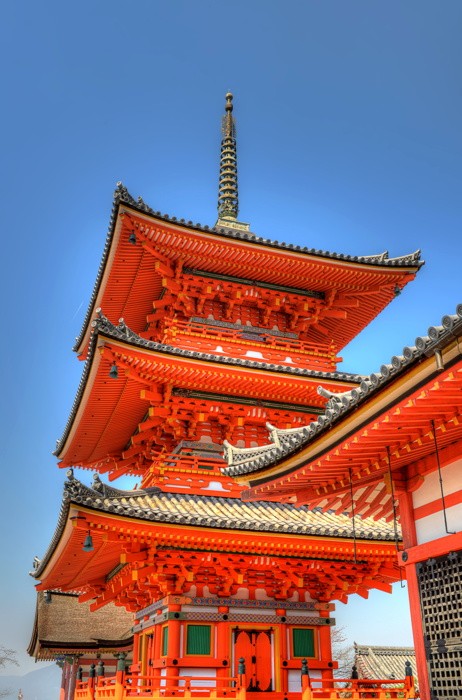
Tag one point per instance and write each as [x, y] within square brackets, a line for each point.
[440, 584]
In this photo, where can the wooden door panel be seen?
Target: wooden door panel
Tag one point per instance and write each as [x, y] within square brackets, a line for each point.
[255, 647]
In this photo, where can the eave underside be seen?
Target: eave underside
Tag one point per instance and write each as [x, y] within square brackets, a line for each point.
[134, 559]
[401, 439]
[111, 411]
[129, 279]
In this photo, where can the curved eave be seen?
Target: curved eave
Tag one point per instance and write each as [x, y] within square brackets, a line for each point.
[126, 271]
[66, 567]
[408, 380]
[107, 412]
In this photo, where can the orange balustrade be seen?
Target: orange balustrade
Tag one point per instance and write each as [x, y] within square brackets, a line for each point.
[273, 348]
[380, 689]
[124, 686]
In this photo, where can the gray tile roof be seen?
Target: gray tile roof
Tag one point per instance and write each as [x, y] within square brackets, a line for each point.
[383, 662]
[122, 196]
[154, 505]
[285, 442]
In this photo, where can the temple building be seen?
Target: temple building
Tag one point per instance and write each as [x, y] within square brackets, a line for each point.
[197, 337]
[390, 448]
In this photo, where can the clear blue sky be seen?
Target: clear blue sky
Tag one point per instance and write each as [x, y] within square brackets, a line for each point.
[350, 140]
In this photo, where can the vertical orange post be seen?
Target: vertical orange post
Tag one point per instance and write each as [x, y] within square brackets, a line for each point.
[241, 680]
[407, 521]
[120, 676]
[417, 631]
[410, 540]
[325, 646]
[283, 653]
[223, 651]
[173, 653]
[91, 682]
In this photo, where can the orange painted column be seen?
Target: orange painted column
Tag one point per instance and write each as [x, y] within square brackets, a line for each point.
[407, 522]
[325, 646]
[223, 651]
[417, 631]
[156, 653]
[173, 651]
[136, 643]
[282, 630]
[406, 511]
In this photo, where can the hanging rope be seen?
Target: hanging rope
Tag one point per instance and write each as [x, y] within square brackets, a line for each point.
[440, 476]
[353, 516]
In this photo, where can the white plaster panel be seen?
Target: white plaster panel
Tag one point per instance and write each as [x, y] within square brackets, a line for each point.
[252, 611]
[315, 676]
[200, 608]
[432, 527]
[430, 489]
[199, 672]
[297, 613]
[294, 681]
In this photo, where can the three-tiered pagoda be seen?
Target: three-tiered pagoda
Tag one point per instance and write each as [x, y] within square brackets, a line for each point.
[195, 336]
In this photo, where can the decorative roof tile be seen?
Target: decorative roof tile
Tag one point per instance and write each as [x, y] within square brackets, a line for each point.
[122, 196]
[209, 512]
[103, 326]
[284, 442]
[384, 663]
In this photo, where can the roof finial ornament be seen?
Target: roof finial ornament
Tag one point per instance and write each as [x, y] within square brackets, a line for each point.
[228, 200]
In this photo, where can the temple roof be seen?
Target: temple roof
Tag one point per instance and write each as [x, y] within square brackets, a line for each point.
[190, 510]
[406, 264]
[383, 662]
[104, 331]
[340, 407]
[63, 624]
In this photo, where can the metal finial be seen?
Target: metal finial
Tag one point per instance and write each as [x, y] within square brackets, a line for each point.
[228, 205]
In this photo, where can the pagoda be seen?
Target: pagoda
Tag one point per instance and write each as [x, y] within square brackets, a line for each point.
[195, 337]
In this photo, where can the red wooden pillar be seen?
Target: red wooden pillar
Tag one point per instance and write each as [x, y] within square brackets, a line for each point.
[223, 650]
[282, 629]
[173, 646]
[406, 511]
[325, 646]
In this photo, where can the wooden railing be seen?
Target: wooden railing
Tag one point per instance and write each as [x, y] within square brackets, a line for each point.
[357, 688]
[197, 336]
[123, 686]
[185, 686]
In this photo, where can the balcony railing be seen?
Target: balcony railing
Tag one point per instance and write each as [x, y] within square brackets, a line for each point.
[236, 343]
[124, 686]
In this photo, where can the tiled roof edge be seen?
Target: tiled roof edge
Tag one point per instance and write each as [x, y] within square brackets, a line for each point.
[248, 460]
[122, 196]
[122, 332]
[77, 493]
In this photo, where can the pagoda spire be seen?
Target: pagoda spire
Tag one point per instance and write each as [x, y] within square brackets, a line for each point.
[228, 199]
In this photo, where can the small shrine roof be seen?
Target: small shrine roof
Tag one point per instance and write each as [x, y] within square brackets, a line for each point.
[190, 510]
[123, 197]
[62, 623]
[383, 662]
[103, 328]
[259, 460]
